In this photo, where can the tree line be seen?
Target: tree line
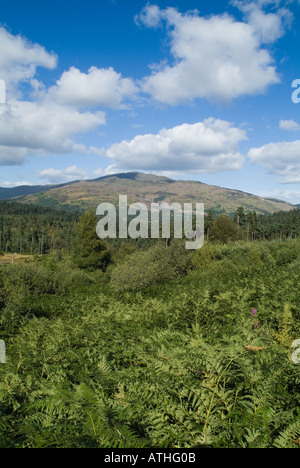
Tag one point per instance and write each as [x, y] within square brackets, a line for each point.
[28, 229]
[33, 230]
[277, 226]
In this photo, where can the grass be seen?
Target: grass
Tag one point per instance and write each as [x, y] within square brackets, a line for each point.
[16, 259]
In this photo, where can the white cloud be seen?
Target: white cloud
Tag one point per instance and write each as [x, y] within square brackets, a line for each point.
[289, 125]
[112, 169]
[12, 156]
[41, 128]
[15, 184]
[268, 26]
[280, 158]
[59, 176]
[291, 196]
[50, 122]
[19, 59]
[150, 16]
[98, 173]
[88, 150]
[206, 147]
[98, 87]
[217, 58]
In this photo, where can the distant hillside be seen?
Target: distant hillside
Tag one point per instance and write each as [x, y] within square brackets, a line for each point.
[145, 188]
[24, 190]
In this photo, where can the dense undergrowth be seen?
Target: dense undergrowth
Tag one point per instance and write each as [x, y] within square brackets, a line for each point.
[162, 350]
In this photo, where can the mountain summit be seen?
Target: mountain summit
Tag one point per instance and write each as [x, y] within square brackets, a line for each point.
[145, 188]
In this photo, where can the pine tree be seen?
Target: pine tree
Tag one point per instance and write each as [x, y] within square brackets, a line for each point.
[208, 223]
[89, 252]
[240, 217]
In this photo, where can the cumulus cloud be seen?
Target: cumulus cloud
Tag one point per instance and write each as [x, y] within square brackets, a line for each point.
[281, 159]
[41, 128]
[12, 156]
[51, 120]
[217, 58]
[19, 59]
[59, 176]
[98, 87]
[268, 26]
[289, 125]
[206, 147]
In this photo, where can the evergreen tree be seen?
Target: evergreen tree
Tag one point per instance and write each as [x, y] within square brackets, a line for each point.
[89, 252]
[208, 223]
[240, 217]
[252, 225]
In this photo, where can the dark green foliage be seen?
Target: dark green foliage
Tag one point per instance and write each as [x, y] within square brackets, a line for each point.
[281, 225]
[156, 265]
[224, 229]
[252, 227]
[181, 363]
[29, 229]
[89, 252]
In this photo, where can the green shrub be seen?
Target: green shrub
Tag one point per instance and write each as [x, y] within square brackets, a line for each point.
[76, 279]
[144, 268]
[224, 230]
[207, 255]
[287, 253]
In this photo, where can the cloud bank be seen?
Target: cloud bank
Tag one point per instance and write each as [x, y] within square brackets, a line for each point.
[205, 147]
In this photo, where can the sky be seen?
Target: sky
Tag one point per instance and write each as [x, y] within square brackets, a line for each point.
[192, 90]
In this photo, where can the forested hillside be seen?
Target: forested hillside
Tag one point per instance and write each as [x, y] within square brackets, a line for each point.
[31, 229]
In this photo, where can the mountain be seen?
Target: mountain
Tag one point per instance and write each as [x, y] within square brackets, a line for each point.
[24, 190]
[145, 188]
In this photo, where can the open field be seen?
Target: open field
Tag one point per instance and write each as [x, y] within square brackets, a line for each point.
[9, 259]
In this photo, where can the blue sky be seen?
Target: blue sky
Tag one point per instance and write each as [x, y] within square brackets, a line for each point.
[189, 89]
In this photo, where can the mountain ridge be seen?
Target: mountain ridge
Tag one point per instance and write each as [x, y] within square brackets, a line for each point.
[145, 188]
